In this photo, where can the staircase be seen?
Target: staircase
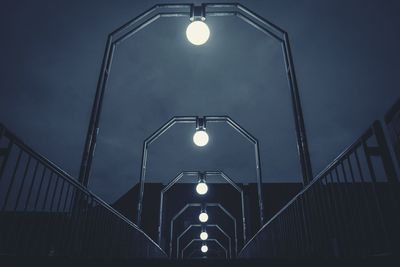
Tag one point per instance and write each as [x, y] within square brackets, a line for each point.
[348, 214]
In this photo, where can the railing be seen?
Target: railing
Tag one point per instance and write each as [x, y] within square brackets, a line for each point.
[45, 212]
[351, 209]
[392, 120]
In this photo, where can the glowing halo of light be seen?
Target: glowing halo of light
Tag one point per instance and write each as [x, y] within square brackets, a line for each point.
[203, 235]
[197, 32]
[200, 138]
[203, 217]
[204, 248]
[201, 188]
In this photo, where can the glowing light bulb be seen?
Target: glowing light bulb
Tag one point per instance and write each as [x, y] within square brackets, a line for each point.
[197, 32]
[201, 188]
[203, 235]
[203, 217]
[204, 248]
[200, 138]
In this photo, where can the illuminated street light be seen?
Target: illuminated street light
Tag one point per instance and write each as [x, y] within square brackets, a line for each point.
[203, 235]
[198, 32]
[201, 188]
[204, 248]
[200, 138]
[203, 217]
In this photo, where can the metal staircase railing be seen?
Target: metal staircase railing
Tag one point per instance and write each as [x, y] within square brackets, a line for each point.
[45, 212]
[351, 209]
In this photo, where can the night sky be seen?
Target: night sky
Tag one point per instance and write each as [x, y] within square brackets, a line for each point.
[345, 54]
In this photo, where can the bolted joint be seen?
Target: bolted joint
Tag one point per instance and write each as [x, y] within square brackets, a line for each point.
[202, 177]
[200, 123]
[203, 208]
[198, 12]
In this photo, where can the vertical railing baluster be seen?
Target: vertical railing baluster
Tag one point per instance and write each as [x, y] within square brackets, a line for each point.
[299, 226]
[23, 224]
[359, 227]
[374, 235]
[391, 189]
[350, 209]
[335, 213]
[56, 227]
[376, 196]
[18, 215]
[45, 218]
[6, 156]
[21, 187]
[50, 249]
[343, 207]
[73, 226]
[35, 218]
[69, 222]
[96, 228]
[319, 225]
[12, 180]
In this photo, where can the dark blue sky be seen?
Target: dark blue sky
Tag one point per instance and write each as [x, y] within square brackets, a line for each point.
[345, 54]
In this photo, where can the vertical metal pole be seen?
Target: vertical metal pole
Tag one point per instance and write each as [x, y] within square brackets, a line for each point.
[141, 185]
[93, 128]
[259, 183]
[302, 143]
[243, 220]
[160, 219]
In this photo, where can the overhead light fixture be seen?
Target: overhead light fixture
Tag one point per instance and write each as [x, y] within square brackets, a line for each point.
[200, 137]
[197, 32]
[204, 248]
[201, 187]
[203, 235]
[203, 217]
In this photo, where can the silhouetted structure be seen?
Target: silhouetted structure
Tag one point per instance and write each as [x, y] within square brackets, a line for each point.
[349, 210]
[276, 196]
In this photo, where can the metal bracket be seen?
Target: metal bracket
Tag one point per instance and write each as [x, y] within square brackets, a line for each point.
[198, 13]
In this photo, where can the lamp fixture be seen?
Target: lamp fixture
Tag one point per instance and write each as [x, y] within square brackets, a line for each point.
[203, 235]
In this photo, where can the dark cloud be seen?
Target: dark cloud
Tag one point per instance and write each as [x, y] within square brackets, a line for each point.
[345, 54]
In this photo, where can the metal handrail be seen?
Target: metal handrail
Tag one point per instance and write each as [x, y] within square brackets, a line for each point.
[326, 209]
[60, 188]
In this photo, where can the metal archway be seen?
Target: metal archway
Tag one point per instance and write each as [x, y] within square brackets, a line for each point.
[187, 10]
[204, 226]
[198, 240]
[195, 120]
[199, 205]
[207, 173]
